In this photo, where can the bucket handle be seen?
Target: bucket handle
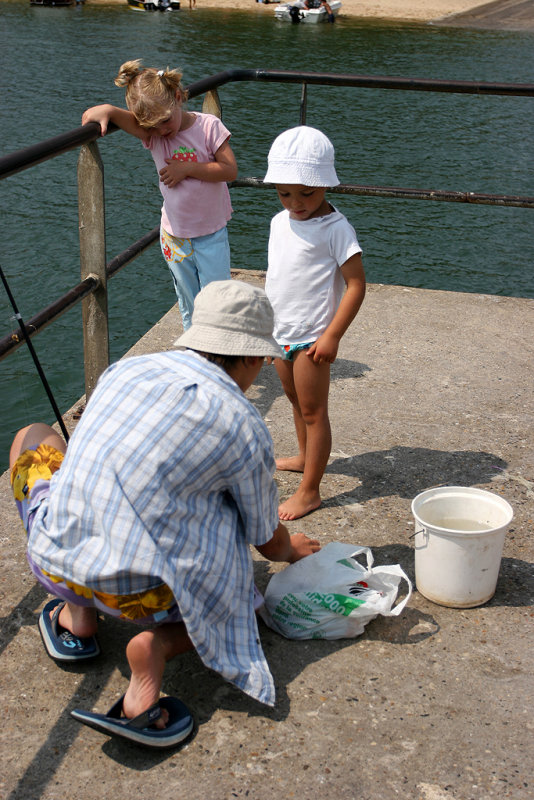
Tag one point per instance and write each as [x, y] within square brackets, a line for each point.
[414, 534]
[425, 532]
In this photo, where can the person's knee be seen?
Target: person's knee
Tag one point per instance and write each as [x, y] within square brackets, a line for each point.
[31, 437]
[314, 414]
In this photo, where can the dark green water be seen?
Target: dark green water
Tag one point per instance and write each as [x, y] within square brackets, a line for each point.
[56, 62]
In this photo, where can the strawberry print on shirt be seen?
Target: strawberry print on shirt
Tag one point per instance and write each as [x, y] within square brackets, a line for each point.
[185, 154]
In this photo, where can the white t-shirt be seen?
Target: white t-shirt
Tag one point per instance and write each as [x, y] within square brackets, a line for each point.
[304, 282]
[192, 207]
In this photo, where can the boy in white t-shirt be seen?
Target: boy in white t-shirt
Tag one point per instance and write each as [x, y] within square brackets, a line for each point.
[316, 285]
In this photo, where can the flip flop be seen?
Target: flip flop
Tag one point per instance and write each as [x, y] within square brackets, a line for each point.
[139, 729]
[60, 644]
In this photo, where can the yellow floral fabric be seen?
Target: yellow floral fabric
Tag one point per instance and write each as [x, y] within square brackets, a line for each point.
[33, 465]
[41, 463]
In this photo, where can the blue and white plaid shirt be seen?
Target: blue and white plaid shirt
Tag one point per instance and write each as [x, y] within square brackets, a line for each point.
[169, 478]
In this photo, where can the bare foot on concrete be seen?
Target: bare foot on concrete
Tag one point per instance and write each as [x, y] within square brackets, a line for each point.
[299, 504]
[147, 654]
[147, 662]
[290, 464]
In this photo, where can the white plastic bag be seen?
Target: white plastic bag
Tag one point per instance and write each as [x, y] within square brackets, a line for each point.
[329, 595]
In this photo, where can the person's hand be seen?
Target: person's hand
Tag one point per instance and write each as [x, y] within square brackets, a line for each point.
[100, 114]
[324, 350]
[174, 172]
[302, 546]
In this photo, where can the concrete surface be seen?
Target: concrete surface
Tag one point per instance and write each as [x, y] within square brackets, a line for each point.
[429, 388]
[504, 15]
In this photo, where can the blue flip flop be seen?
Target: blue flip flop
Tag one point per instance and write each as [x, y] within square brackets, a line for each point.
[140, 729]
[60, 644]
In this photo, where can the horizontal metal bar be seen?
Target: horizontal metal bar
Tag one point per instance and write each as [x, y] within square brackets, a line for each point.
[30, 156]
[64, 303]
[77, 293]
[131, 252]
[42, 151]
[361, 81]
[409, 194]
[49, 314]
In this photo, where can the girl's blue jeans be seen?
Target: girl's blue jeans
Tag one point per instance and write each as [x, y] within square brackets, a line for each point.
[193, 264]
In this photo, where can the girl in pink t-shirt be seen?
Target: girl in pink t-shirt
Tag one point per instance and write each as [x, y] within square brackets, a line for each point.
[194, 160]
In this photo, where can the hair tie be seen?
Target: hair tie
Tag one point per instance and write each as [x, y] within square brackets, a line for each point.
[161, 73]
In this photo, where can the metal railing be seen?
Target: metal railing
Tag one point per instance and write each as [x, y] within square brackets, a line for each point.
[95, 272]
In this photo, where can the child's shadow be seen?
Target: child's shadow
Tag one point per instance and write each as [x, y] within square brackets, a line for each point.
[267, 387]
[407, 471]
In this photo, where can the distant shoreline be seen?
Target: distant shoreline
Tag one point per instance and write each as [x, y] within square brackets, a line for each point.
[408, 11]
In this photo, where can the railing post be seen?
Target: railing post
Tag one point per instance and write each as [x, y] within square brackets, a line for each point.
[303, 103]
[212, 104]
[91, 212]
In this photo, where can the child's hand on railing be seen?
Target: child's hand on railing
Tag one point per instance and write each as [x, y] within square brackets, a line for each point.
[100, 114]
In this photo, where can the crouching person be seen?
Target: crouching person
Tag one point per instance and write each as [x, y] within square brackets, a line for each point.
[148, 514]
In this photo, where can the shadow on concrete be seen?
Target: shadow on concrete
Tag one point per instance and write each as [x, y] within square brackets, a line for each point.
[62, 735]
[22, 614]
[206, 692]
[268, 387]
[515, 586]
[407, 471]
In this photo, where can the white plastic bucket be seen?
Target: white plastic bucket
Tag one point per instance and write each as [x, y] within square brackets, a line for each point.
[459, 537]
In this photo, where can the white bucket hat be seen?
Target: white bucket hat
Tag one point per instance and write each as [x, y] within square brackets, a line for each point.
[231, 318]
[302, 155]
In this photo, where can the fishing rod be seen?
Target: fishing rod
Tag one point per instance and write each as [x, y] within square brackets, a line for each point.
[27, 339]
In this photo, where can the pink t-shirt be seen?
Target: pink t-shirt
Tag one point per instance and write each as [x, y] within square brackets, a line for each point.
[193, 207]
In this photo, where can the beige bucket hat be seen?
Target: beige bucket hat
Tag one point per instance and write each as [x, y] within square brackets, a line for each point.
[231, 318]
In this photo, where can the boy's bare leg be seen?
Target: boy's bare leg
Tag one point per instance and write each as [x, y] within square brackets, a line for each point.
[292, 463]
[79, 620]
[312, 383]
[32, 436]
[147, 654]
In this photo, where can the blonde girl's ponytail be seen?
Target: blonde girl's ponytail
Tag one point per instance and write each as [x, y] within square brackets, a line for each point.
[151, 94]
[128, 72]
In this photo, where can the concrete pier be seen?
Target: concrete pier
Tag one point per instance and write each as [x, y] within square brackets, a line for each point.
[429, 388]
[504, 15]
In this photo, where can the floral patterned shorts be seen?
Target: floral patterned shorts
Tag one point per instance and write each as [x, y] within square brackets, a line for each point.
[291, 349]
[30, 481]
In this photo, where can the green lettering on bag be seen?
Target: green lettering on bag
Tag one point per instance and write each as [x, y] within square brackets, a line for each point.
[348, 562]
[338, 603]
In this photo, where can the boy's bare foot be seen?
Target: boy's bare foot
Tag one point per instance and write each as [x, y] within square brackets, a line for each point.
[299, 504]
[290, 464]
[81, 621]
[147, 662]
[147, 654]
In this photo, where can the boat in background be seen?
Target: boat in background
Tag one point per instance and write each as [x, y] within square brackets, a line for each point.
[52, 2]
[292, 13]
[154, 5]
